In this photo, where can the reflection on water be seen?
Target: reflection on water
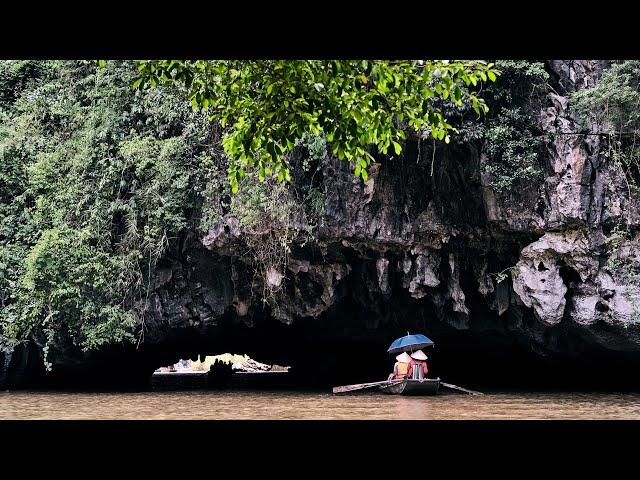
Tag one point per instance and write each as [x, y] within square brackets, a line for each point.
[314, 405]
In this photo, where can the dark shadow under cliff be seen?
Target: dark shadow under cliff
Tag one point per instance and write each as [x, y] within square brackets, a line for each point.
[348, 345]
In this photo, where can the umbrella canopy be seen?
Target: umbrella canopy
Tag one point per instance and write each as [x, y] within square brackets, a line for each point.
[409, 343]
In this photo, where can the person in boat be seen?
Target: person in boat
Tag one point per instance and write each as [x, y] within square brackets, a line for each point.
[418, 358]
[401, 367]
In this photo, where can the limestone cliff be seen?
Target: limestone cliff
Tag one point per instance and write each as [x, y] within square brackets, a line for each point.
[410, 251]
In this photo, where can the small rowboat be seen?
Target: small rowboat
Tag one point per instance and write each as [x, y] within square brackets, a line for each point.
[426, 386]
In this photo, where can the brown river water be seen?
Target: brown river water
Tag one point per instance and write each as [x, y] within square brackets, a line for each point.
[202, 404]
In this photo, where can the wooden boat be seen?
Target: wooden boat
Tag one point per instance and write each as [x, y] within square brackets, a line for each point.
[195, 380]
[426, 386]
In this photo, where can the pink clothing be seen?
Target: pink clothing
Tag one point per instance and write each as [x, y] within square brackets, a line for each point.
[422, 363]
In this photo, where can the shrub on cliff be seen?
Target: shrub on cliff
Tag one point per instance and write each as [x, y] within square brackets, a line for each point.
[97, 183]
[612, 106]
[512, 139]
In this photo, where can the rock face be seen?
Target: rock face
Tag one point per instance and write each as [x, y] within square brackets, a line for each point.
[411, 251]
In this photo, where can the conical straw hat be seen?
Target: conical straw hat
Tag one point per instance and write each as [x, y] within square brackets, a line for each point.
[403, 357]
[419, 355]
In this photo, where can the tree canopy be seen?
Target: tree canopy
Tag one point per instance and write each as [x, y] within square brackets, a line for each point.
[266, 106]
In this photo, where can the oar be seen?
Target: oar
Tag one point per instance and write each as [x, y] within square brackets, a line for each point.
[362, 386]
[456, 387]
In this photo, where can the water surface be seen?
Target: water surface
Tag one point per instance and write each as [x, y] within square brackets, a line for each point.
[202, 404]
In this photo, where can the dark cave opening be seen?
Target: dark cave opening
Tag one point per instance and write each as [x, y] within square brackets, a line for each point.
[347, 343]
[569, 276]
[320, 359]
[488, 361]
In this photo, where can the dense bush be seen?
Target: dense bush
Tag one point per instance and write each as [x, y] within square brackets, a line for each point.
[97, 181]
[512, 138]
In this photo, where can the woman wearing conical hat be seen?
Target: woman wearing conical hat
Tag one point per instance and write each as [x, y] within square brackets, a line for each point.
[401, 367]
[418, 358]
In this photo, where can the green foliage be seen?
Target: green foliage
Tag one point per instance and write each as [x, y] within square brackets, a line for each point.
[214, 187]
[612, 106]
[613, 102]
[512, 139]
[97, 182]
[513, 150]
[314, 202]
[316, 145]
[266, 107]
[71, 282]
[17, 75]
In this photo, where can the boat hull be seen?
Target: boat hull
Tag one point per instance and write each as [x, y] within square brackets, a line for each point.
[427, 386]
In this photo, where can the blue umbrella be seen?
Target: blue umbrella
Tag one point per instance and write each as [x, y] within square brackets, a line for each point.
[409, 343]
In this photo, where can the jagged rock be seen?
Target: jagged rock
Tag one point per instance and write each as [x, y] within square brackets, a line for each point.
[241, 308]
[250, 365]
[382, 267]
[423, 272]
[223, 233]
[454, 291]
[594, 294]
[274, 277]
[539, 285]
[297, 266]
[485, 284]
[537, 280]
[572, 247]
[502, 298]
